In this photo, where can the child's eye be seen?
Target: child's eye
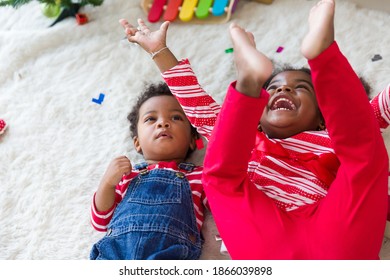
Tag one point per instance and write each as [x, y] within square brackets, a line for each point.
[271, 88]
[177, 118]
[149, 119]
[303, 87]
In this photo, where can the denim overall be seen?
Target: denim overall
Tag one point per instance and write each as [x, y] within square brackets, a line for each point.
[155, 219]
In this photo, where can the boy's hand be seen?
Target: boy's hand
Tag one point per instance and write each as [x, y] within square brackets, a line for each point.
[115, 171]
[150, 41]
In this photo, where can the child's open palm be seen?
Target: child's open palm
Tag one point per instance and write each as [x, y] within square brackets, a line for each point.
[150, 41]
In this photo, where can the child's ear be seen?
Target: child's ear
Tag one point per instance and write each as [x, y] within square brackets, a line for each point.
[193, 142]
[321, 126]
[137, 145]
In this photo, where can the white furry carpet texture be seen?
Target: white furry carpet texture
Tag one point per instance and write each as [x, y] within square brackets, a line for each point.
[58, 142]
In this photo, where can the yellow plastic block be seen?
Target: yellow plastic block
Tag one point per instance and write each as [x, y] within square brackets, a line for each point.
[187, 10]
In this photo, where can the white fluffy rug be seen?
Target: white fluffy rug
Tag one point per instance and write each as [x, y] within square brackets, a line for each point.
[59, 142]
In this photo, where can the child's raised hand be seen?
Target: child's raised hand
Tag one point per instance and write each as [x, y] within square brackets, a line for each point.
[115, 170]
[253, 67]
[150, 41]
[321, 29]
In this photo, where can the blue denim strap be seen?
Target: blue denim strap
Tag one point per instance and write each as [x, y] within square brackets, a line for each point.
[187, 166]
[183, 165]
[141, 165]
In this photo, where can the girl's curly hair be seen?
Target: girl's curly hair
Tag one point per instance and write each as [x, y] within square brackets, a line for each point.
[287, 67]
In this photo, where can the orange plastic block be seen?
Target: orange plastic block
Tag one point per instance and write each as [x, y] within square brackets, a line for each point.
[172, 10]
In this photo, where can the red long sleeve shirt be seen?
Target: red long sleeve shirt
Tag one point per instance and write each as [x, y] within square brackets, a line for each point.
[299, 169]
[347, 224]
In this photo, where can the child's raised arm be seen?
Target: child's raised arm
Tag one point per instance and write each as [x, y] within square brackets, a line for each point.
[199, 107]
[153, 42]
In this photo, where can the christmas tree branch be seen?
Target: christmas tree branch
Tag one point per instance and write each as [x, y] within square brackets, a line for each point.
[14, 3]
[63, 3]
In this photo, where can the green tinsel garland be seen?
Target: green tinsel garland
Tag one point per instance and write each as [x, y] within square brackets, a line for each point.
[69, 8]
[63, 3]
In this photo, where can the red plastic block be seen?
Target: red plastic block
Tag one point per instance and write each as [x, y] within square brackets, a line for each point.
[81, 19]
[156, 10]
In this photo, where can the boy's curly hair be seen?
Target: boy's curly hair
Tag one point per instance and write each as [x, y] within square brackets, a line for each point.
[151, 90]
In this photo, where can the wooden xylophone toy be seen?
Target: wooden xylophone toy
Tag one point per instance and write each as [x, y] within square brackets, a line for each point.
[196, 11]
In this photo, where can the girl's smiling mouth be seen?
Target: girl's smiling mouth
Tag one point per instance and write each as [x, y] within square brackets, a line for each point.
[281, 102]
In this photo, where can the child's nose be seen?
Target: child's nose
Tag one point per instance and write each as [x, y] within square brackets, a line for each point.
[284, 88]
[164, 123]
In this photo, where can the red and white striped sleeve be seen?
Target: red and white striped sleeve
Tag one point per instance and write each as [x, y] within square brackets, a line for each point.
[198, 194]
[101, 219]
[200, 108]
[381, 107]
